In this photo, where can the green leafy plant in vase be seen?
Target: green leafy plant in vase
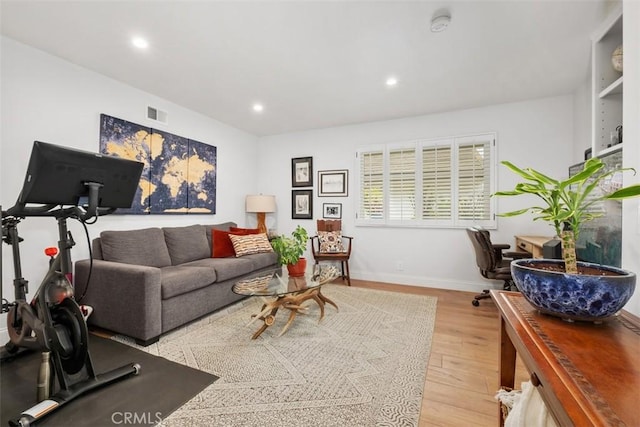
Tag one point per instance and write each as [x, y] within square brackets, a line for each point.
[570, 289]
[291, 249]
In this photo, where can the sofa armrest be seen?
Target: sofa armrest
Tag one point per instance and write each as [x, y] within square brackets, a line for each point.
[126, 298]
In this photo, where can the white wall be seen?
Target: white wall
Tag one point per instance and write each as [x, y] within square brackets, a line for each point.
[45, 98]
[631, 141]
[581, 120]
[536, 133]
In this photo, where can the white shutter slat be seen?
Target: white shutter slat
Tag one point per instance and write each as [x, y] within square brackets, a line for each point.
[402, 184]
[474, 181]
[372, 185]
[436, 182]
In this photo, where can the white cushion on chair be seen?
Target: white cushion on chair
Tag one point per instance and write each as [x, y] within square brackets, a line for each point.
[330, 241]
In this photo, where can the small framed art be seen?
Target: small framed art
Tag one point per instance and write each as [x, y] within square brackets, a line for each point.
[301, 204]
[302, 172]
[332, 210]
[333, 183]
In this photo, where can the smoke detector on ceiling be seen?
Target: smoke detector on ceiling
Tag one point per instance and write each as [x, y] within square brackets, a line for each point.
[440, 22]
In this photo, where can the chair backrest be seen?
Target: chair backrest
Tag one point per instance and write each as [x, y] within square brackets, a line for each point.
[329, 225]
[485, 255]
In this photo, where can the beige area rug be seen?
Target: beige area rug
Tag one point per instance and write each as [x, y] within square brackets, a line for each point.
[362, 366]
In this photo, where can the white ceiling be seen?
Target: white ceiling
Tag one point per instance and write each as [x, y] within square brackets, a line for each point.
[319, 64]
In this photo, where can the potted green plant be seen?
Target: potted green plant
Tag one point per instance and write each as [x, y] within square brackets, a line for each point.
[555, 286]
[290, 250]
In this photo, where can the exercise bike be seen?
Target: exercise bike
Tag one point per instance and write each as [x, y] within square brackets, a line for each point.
[53, 321]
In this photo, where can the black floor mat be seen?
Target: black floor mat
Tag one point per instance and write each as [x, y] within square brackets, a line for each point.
[160, 388]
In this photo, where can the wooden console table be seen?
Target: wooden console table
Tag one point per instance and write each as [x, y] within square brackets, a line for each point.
[587, 374]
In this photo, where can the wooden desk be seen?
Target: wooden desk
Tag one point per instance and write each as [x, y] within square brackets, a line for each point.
[532, 244]
[587, 374]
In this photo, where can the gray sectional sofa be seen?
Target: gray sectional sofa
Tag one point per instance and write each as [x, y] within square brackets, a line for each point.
[147, 282]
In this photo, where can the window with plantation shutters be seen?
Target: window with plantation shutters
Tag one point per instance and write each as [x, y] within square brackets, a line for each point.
[371, 166]
[474, 185]
[446, 182]
[402, 184]
[436, 183]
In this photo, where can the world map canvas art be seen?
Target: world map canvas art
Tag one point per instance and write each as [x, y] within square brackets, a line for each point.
[179, 174]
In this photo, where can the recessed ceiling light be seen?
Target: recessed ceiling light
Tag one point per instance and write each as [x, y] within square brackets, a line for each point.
[140, 43]
[258, 108]
[391, 81]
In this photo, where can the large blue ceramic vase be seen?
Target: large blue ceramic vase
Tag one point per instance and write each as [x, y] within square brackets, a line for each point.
[573, 296]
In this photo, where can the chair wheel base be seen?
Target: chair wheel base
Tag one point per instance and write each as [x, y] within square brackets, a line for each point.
[476, 300]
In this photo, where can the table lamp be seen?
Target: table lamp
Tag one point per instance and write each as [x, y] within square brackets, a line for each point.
[261, 205]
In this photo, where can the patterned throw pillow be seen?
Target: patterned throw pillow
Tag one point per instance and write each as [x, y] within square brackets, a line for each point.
[330, 241]
[250, 244]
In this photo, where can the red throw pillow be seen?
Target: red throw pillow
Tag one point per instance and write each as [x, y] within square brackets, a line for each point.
[221, 246]
[243, 231]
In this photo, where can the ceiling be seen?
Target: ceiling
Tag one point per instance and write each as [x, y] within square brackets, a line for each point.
[319, 64]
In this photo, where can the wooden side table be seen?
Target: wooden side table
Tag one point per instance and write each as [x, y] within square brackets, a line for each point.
[587, 374]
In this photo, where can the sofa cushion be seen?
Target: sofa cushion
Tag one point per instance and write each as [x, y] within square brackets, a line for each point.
[226, 268]
[262, 260]
[179, 279]
[186, 243]
[139, 247]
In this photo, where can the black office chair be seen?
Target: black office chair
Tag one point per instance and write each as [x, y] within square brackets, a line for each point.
[494, 264]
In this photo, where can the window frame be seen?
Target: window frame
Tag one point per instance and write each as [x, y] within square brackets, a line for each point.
[455, 142]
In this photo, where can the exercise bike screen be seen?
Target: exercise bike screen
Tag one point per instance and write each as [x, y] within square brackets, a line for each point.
[57, 175]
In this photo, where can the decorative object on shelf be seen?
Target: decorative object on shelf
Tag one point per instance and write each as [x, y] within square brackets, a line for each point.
[332, 210]
[260, 205]
[333, 183]
[290, 250]
[302, 172]
[619, 130]
[301, 204]
[566, 206]
[616, 59]
[587, 153]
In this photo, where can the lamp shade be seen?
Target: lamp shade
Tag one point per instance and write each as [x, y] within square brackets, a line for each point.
[260, 203]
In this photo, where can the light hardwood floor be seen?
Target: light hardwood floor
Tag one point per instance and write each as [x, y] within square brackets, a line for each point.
[462, 372]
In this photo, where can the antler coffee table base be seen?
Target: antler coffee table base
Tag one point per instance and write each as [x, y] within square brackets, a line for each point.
[292, 302]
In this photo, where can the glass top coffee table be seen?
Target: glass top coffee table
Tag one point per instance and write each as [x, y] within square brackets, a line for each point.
[287, 292]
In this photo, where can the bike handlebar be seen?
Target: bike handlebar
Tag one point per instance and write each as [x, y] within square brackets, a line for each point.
[22, 210]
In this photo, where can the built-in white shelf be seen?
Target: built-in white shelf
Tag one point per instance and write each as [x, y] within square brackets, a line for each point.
[613, 89]
[610, 149]
[606, 85]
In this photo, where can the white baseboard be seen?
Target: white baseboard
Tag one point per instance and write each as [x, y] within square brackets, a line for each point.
[427, 282]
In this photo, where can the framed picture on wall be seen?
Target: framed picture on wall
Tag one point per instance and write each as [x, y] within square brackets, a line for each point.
[332, 210]
[302, 204]
[333, 183]
[302, 172]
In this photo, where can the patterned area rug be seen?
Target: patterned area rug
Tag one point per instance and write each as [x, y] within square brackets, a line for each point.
[362, 366]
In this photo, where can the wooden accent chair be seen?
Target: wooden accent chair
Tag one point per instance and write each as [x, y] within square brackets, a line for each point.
[494, 264]
[331, 245]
